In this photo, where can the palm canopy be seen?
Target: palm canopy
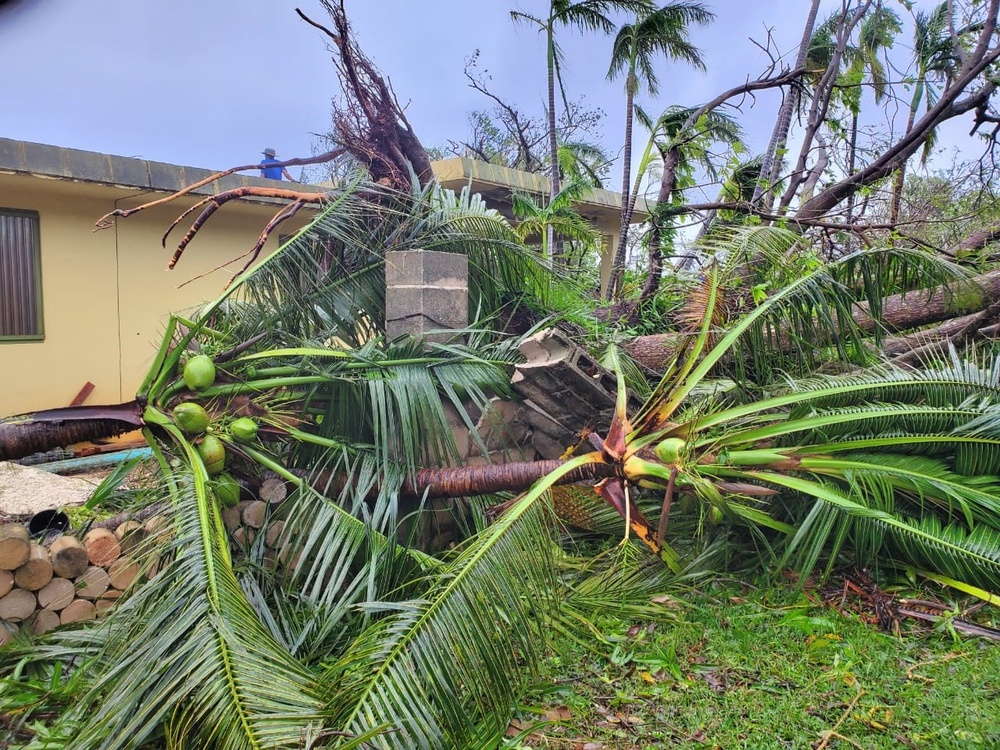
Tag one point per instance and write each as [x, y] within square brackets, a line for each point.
[662, 31]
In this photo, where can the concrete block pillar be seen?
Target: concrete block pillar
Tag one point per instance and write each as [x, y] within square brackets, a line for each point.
[425, 291]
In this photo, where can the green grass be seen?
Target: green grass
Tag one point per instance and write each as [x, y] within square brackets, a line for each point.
[742, 667]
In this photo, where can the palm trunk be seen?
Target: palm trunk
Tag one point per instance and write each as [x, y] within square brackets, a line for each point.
[771, 168]
[852, 160]
[618, 261]
[41, 431]
[897, 185]
[671, 160]
[553, 145]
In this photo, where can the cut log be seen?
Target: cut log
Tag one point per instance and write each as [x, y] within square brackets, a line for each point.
[79, 610]
[15, 546]
[56, 594]
[231, 518]
[129, 535]
[102, 546]
[17, 605]
[93, 583]
[273, 491]
[157, 528]
[36, 572]
[244, 536]
[7, 632]
[273, 534]
[6, 582]
[69, 557]
[43, 621]
[122, 572]
[255, 513]
[107, 602]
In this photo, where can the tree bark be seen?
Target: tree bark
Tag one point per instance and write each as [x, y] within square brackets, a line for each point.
[618, 261]
[948, 106]
[900, 312]
[24, 434]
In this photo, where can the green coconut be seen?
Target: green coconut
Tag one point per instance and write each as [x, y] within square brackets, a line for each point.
[199, 372]
[191, 417]
[227, 490]
[243, 429]
[669, 450]
[213, 454]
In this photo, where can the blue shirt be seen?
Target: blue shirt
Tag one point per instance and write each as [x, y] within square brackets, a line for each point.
[271, 173]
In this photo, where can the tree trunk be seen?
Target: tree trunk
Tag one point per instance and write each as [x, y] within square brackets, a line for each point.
[820, 104]
[771, 168]
[897, 184]
[468, 481]
[900, 312]
[24, 434]
[553, 145]
[852, 160]
[618, 261]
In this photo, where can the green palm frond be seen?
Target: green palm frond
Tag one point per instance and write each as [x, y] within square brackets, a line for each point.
[972, 556]
[435, 670]
[202, 663]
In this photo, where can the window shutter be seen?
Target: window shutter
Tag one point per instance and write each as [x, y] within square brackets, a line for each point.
[20, 275]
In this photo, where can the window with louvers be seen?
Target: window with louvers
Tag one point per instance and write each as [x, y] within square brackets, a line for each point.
[20, 276]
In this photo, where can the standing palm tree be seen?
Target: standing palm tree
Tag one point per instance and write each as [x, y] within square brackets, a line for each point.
[584, 15]
[877, 34]
[661, 31]
[936, 60]
[557, 216]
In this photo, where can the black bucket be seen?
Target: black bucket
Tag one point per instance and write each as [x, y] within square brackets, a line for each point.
[47, 521]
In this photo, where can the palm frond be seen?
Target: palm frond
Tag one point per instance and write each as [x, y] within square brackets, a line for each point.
[444, 669]
[201, 663]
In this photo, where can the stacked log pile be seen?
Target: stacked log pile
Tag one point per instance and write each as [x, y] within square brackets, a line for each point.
[78, 578]
[69, 579]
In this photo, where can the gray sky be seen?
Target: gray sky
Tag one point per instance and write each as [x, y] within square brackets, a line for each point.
[210, 83]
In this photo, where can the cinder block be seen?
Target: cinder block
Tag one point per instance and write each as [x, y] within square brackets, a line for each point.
[166, 177]
[426, 267]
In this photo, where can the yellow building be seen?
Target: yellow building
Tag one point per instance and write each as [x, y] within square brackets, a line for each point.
[80, 306]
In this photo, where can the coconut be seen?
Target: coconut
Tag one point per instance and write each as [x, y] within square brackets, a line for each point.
[213, 453]
[669, 450]
[243, 429]
[227, 490]
[199, 372]
[191, 417]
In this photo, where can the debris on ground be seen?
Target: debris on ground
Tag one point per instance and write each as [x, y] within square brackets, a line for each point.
[26, 490]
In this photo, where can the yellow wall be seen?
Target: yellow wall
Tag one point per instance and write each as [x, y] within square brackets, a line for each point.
[106, 295]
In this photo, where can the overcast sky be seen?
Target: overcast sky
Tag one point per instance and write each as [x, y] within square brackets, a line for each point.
[210, 83]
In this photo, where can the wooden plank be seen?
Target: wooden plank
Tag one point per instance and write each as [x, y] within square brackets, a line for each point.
[87, 389]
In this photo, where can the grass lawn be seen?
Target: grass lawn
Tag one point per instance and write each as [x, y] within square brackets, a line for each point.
[740, 666]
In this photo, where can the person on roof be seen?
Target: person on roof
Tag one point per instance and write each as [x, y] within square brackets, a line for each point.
[269, 170]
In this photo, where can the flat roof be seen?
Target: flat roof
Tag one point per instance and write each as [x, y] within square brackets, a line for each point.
[57, 162]
[492, 181]
[496, 182]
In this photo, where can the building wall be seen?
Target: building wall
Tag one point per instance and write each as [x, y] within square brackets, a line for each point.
[106, 295]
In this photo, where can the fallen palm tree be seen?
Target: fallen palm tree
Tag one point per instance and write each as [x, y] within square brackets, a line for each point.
[375, 641]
